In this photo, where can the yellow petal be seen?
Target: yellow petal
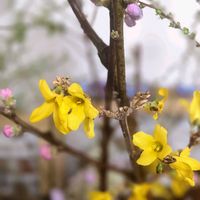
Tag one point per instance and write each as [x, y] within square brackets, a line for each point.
[76, 117]
[164, 93]
[89, 127]
[143, 140]
[195, 107]
[65, 107]
[160, 134]
[76, 90]
[146, 158]
[165, 151]
[41, 112]
[58, 123]
[45, 90]
[90, 111]
[155, 116]
[185, 104]
[184, 171]
[185, 152]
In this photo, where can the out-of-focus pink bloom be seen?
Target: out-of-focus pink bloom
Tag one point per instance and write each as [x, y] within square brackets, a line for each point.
[196, 178]
[57, 194]
[45, 152]
[8, 131]
[6, 93]
[129, 20]
[90, 177]
[134, 11]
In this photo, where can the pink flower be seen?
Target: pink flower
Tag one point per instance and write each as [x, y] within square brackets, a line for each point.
[129, 20]
[134, 11]
[45, 152]
[6, 93]
[8, 131]
[57, 194]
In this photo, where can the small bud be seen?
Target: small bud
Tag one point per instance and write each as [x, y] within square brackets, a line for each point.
[134, 11]
[8, 131]
[186, 31]
[129, 20]
[159, 168]
[45, 152]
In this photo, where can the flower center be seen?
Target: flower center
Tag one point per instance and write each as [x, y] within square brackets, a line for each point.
[79, 101]
[157, 147]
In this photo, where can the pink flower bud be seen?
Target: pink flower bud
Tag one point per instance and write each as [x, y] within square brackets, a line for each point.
[45, 152]
[129, 20]
[8, 131]
[6, 93]
[134, 11]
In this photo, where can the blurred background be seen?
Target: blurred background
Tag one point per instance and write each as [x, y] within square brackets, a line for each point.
[42, 39]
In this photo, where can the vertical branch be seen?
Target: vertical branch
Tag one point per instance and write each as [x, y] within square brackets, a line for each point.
[118, 13]
[107, 129]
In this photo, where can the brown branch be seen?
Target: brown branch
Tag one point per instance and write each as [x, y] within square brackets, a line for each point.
[101, 47]
[118, 12]
[49, 137]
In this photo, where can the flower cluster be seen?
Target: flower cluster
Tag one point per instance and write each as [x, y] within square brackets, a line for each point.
[132, 13]
[156, 148]
[70, 107]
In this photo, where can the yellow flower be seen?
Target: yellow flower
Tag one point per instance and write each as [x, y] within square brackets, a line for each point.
[140, 191]
[77, 108]
[97, 195]
[153, 146]
[193, 108]
[157, 106]
[48, 107]
[179, 187]
[185, 166]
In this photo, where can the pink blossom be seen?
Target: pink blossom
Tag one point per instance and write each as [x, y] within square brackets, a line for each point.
[57, 194]
[8, 131]
[134, 11]
[6, 93]
[45, 152]
[129, 20]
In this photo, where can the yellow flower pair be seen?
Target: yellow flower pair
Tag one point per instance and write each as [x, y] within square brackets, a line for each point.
[156, 147]
[69, 111]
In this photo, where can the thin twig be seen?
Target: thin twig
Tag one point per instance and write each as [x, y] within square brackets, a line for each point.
[173, 22]
[101, 47]
[49, 137]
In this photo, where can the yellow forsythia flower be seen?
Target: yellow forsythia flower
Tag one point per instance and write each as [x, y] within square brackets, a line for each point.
[69, 111]
[178, 186]
[193, 108]
[50, 106]
[77, 108]
[185, 166]
[157, 106]
[97, 195]
[140, 191]
[153, 146]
